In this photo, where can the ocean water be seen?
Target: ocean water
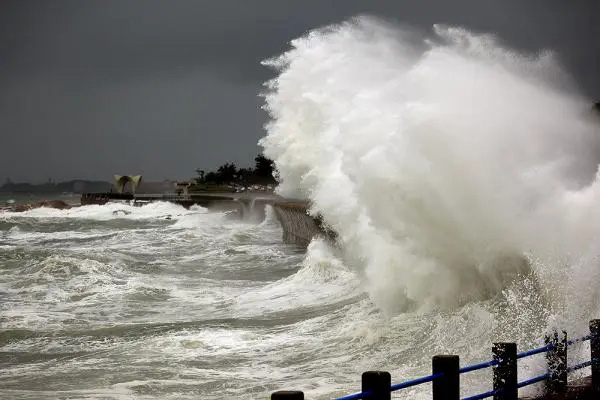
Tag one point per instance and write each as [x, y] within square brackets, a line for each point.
[158, 301]
[121, 302]
[8, 199]
[460, 177]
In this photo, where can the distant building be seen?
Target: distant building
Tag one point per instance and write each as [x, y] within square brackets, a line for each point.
[121, 182]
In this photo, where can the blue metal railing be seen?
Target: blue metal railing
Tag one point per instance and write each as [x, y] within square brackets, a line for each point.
[395, 387]
[355, 396]
[415, 382]
[483, 365]
[483, 395]
[581, 339]
[476, 367]
[532, 352]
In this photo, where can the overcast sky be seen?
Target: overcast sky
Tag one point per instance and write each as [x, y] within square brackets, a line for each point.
[93, 88]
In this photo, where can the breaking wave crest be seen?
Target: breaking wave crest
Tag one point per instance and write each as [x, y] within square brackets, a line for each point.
[449, 167]
[111, 211]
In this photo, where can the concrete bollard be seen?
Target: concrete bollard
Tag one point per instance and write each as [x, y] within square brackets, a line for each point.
[595, 353]
[505, 373]
[556, 358]
[379, 383]
[446, 387]
[287, 395]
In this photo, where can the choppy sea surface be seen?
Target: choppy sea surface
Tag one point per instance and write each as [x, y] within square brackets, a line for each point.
[8, 199]
[158, 301]
[122, 302]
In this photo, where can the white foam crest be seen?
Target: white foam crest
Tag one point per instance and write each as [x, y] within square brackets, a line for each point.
[111, 211]
[60, 277]
[201, 220]
[270, 220]
[445, 169]
[17, 236]
[322, 279]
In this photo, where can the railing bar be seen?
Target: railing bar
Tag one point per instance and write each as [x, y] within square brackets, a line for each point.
[534, 351]
[482, 395]
[583, 365]
[415, 382]
[579, 366]
[581, 339]
[533, 380]
[475, 367]
[355, 396]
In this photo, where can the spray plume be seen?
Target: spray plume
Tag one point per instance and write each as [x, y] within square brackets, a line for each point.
[448, 168]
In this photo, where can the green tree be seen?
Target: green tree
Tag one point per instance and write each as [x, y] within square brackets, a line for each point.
[227, 172]
[264, 167]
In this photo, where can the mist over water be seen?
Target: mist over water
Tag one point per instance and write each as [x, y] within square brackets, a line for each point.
[450, 167]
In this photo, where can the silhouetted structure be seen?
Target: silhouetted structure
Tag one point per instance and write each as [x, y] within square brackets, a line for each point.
[122, 180]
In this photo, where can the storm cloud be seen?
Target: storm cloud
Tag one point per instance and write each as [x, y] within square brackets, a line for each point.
[89, 89]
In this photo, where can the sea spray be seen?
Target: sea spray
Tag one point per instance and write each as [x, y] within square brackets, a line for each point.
[448, 168]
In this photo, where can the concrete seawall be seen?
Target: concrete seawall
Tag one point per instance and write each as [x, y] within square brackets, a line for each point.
[299, 227]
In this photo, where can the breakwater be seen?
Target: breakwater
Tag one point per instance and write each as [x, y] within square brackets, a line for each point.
[297, 225]
[216, 201]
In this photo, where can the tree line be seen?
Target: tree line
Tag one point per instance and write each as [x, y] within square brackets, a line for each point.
[229, 174]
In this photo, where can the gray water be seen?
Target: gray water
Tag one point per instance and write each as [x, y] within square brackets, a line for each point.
[121, 302]
[8, 199]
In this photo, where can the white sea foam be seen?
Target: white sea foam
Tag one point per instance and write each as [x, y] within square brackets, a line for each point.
[322, 279]
[110, 211]
[447, 168]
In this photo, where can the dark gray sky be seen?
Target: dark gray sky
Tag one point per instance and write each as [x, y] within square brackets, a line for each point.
[89, 89]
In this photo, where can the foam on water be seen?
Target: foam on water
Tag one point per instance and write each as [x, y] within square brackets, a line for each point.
[322, 279]
[204, 306]
[109, 211]
[125, 303]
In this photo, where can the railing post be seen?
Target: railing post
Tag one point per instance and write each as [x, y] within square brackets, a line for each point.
[287, 395]
[379, 383]
[595, 353]
[556, 358]
[446, 387]
[505, 373]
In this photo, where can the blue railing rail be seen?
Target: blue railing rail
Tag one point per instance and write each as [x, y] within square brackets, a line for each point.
[445, 377]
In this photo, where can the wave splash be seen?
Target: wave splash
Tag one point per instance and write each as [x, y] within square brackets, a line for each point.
[449, 168]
